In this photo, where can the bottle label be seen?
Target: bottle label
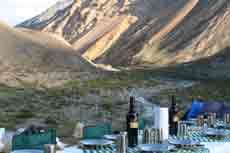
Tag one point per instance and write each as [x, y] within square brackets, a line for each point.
[134, 125]
[176, 119]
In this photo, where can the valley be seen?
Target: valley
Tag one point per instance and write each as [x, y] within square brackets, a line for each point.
[82, 59]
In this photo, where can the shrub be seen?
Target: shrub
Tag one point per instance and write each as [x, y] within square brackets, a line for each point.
[24, 114]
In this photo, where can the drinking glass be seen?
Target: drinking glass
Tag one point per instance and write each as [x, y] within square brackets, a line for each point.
[153, 136]
[227, 118]
[182, 129]
[211, 119]
[147, 139]
[158, 136]
[200, 120]
[122, 143]
[140, 136]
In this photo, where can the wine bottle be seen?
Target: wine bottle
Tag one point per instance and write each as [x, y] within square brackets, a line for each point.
[173, 118]
[132, 124]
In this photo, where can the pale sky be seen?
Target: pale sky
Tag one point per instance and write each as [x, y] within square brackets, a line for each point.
[13, 12]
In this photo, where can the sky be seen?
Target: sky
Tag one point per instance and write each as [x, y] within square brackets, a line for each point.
[13, 12]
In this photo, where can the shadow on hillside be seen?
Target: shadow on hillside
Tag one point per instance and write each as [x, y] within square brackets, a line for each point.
[215, 67]
[132, 42]
[134, 39]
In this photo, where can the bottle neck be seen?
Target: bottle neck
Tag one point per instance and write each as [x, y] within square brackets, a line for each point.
[173, 102]
[132, 104]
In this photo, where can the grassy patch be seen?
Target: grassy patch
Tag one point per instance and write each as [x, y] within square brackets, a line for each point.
[115, 81]
[6, 92]
[108, 104]
[214, 91]
[24, 114]
[97, 83]
[107, 83]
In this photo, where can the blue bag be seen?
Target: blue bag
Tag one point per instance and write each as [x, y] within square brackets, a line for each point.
[196, 108]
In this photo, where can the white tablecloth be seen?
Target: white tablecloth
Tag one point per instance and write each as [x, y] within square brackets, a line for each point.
[28, 151]
[214, 147]
[218, 147]
[72, 149]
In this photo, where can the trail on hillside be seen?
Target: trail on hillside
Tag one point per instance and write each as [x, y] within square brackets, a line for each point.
[179, 17]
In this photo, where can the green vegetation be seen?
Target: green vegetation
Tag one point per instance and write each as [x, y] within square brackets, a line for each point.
[218, 91]
[24, 114]
[213, 91]
[108, 104]
[115, 81]
[19, 104]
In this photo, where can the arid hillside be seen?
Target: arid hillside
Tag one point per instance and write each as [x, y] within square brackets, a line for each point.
[127, 32]
[25, 52]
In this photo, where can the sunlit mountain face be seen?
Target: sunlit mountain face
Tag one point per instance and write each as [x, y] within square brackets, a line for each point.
[133, 32]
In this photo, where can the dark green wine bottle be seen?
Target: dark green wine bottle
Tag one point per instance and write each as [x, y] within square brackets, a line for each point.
[132, 124]
[173, 121]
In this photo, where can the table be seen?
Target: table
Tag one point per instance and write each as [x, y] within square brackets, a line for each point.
[212, 145]
[75, 149]
[215, 145]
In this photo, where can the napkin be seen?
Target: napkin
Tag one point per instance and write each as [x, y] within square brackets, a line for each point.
[2, 136]
[217, 147]
[161, 120]
[60, 144]
[2, 133]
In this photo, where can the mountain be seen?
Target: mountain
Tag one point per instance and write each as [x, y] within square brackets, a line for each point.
[33, 56]
[127, 32]
[23, 48]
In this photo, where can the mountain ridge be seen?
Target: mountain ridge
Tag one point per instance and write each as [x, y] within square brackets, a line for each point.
[125, 32]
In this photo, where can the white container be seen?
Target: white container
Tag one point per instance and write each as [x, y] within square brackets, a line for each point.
[2, 133]
[161, 120]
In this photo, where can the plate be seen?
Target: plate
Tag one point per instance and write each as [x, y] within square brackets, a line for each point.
[96, 142]
[195, 128]
[193, 120]
[111, 136]
[216, 132]
[28, 151]
[189, 122]
[222, 126]
[155, 147]
[185, 142]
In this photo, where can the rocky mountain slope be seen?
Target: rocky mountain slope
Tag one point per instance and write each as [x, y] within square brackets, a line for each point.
[25, 52]
[121, 32]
